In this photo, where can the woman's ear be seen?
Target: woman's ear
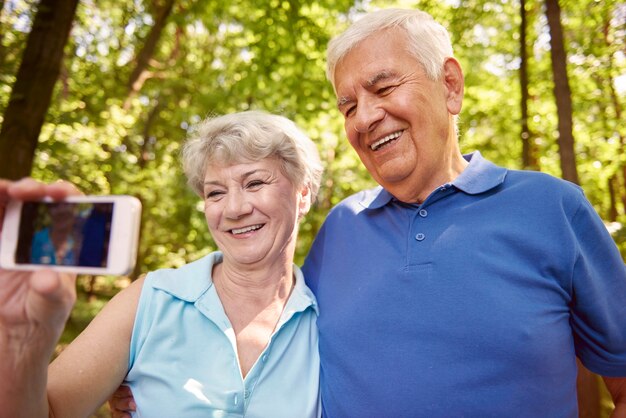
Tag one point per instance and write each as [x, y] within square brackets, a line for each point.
[455, 84]
[304, 204]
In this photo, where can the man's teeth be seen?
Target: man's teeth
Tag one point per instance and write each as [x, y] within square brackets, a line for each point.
[376, 145]
[246, 229]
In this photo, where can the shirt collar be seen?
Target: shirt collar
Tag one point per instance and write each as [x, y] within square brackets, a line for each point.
[193, 280]
[478, 177]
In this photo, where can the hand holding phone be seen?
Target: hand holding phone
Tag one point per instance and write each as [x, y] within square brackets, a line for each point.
[33, 303]
[34, 306]
[78, 234]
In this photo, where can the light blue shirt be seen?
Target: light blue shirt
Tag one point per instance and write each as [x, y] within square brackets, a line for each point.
[183, 355]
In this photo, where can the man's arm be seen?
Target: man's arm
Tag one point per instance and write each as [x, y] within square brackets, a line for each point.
[617, 389]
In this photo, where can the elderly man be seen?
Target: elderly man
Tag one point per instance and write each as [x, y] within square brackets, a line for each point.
[457, 288]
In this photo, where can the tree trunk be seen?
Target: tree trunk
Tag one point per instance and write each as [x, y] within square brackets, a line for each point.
[612, 199]
[622, 139]
[529, 160]
[1, 34]
[587, 384]
[34, 85]
[562, 92]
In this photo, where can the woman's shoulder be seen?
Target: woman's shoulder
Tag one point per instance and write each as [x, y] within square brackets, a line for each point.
[186, 282]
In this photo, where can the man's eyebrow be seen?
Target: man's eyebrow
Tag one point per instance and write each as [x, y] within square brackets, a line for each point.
[383, 75]
[343, 100]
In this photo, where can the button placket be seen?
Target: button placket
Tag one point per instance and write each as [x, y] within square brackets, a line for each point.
[420, 236]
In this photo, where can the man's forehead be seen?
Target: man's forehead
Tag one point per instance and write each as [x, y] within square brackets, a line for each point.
[367, 79]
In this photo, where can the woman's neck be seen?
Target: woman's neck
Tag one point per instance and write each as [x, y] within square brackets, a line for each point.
[254, 286]
[253, 300]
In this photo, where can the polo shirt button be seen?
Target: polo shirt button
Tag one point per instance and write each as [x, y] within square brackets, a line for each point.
[264, 358]
[423, 213]
[420, 237]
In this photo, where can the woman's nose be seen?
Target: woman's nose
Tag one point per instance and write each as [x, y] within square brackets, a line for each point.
[237, 204]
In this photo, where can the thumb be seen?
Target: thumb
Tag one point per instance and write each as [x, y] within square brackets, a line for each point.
[54, 295]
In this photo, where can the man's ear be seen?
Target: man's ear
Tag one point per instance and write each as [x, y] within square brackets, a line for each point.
[455, 84]
[305, 201]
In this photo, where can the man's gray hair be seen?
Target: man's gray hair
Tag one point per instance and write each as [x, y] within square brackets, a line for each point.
[429, 42]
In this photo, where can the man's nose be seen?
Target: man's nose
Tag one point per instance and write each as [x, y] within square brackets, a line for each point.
[368, 115]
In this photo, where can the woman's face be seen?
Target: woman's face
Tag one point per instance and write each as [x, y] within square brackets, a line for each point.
[62, 215]
[252, 211]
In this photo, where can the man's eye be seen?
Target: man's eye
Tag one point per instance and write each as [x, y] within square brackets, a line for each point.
[350, 110]
[384, 90]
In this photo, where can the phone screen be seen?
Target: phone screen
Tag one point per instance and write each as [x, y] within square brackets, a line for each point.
[63, 233]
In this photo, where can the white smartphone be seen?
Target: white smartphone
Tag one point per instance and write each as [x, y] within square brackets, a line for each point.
[80, 234]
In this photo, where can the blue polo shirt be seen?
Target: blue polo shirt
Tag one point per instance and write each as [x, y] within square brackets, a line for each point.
[183, 354]
[473, 303]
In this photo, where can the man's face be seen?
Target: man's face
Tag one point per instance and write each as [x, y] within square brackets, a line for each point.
[397, 119]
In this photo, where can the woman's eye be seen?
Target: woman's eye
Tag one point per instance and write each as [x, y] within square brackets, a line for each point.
[255, 184]
[213, 194]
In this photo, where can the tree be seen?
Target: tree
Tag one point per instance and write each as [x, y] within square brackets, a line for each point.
[529, 159]
[562, 92]
[34, 85]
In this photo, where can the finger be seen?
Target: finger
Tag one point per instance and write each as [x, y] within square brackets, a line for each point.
[122, 392]
[122, 400]
[121, 407]
[25, 189]
[62, 189]
[122, 404]
[119, 414]
[50, 284]
[30, 189]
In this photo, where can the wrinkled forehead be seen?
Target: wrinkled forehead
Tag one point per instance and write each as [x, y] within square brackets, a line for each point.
[375, 58]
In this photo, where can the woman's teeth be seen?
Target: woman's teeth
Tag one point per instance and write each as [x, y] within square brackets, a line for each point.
[238, 231]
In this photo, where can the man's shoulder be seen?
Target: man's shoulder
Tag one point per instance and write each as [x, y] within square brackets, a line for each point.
[541, 181]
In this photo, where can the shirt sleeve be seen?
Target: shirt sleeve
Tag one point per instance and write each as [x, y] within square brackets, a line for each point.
[598, 312]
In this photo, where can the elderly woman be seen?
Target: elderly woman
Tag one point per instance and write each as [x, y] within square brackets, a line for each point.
[231, 334]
